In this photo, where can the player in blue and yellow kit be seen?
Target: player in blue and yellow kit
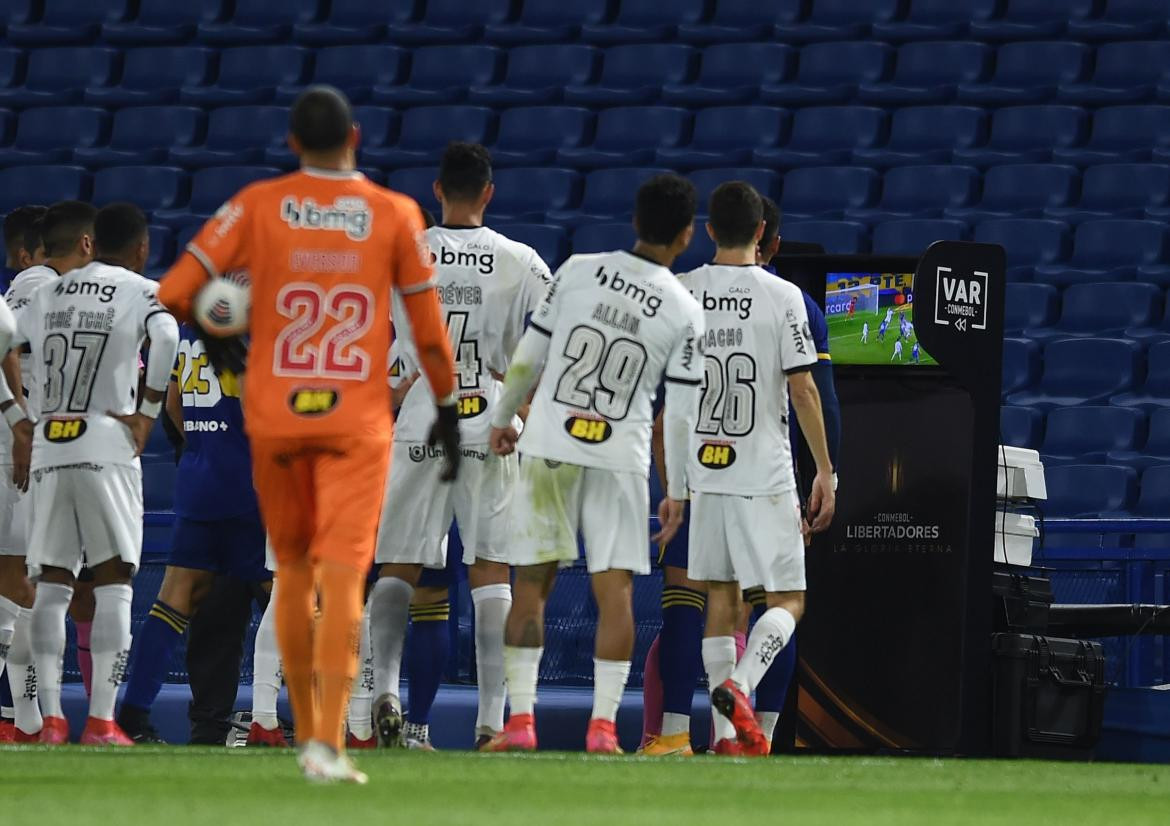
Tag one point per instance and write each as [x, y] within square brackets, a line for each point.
[217, 523]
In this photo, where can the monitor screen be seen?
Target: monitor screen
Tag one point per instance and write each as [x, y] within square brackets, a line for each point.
[871, 318]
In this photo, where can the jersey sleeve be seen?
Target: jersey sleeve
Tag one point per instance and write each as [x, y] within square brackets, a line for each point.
[544, 317]
[534, 281]
[797, 351]
[685, 363]
[413, 272]
[222, 244]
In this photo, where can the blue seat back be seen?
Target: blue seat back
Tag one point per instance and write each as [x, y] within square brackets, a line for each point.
[212, 186]
[745, 64]
[542, 127]
[70, 67]
[1089, 490]
[1089, 366]
[949, 11]
[378, 124]
[915, 187]
[1041, 63]
[655, 12]
[50, 183]
[442, 67]
[562, 12]
[535, 67]
[1129, 64]
[933, 62]
[836, 127]
[170, 13]
[1110, 243]
[360, 66]
[638, 127]
[417, 182]
[428, 127]
[245, 127]
[1028, 306]
[60, 127]
[912, 237]
[166, 67]
[1095, 307]
[1131, 126]
[1116, 186]
[82, 12]
[551, 243]
[527, 189]
[836, 237]
[1076, 431]
[1027, 241]
[1044, 126]
[1154, 498]
[611, 191]
[844, 12]
[634, 66]
[603, 237]
[738, 127]
[937, 127]
[275, 12]
[253, 67]
[150, 187]
[1021, 364]
[1020, 426]
[462, 13]
[152, 127]
[764, 181]
[826, 188]
[1158, 439]
[365, 13]
[844, 62]
[1029, 186]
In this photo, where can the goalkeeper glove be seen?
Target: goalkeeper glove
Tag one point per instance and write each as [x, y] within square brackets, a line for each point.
[225, 354]
[445, 432]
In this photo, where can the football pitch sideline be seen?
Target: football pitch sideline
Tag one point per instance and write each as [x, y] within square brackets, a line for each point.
[163, 786]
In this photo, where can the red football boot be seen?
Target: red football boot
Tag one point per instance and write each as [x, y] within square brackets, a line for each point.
[602, 738]
[7, 731]
[54, 732]
[519, 734]
[735, 706]
[728, 748]
[260, 736]
[352, 742]
[20, 737]
[103, 733]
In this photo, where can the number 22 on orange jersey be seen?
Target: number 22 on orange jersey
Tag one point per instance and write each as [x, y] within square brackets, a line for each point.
[336, 355]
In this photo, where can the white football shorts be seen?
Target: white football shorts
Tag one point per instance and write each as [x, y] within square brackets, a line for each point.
[15, 514]
[98, 507]
[752, 540]
[556, 501]
[418, 508]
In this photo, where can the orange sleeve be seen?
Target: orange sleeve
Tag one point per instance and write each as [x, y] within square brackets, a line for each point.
[180, 284]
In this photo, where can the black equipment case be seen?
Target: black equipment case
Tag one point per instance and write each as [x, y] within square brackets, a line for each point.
[1022, 603]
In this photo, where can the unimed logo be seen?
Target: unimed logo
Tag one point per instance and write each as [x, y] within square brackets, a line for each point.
[960, 301]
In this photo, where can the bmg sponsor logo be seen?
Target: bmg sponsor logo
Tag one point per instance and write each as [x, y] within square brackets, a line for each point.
[350, 215]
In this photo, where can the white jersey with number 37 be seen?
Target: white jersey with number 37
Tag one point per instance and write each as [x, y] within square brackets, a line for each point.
[617, 323]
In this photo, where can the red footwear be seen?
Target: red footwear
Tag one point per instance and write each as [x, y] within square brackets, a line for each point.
[519, 734]
[103, 733]
[260, 736]
[7, 731]
[352, 742]
[54, 732]
[602, 738]
[728, 748]
[20, 737]
[735, 706]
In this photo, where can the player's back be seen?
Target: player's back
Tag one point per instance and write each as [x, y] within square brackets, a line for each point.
[487, 284]
[20, 292]
[615, 320]
[756, 331]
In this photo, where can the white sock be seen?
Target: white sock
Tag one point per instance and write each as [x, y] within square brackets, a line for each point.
[361, 697]
[266, 668]
[9, 613]
[22, 676]
[719, 660]
[771, 633]
[768, 721]
[109, 644]
[389, 613]
[609, 683]
[48, 642]
[492, 604]
[521, 669]
[673, 723]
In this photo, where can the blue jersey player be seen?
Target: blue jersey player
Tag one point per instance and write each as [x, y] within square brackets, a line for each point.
[915, 354]
[217, 527]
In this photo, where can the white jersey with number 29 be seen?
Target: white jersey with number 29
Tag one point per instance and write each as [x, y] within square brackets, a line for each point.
[617, 323]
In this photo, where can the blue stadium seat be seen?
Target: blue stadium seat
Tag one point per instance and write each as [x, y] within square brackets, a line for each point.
[1028, 72]
[153, 75]
[912, 237]
[259, 21]
[163, 21]
[629, 135]
[49, 134]
[158, 484]
[825, 192]
[1030, 20]
[608, 196]
[548, 21]
[551, 243]
[7, 125]
[144, 135]
[418, 183]
[1110, 250]
[11, 67]
[1118, 190]
[1090, 490]
[835, 237]
[57, 76]
[1020, 191]
[700, 251]
[50, 183]
[442, 74]
[249, 74]
[831, 73]
[526, 193]
[645, 21]
[354, 70]
[1104, 310]
[1027, 134]
[1020, 426]
[539, 74]
[603, 237]
[741, 20]
[920, 192]
[1028, 306]
[210, 188]
[67, 21]
[837, 20]
[1155, 391]
[1156, 451]
[1122, 20]
[531, 135]
[1082, 371]
[1028, 242]
[1153, 500]
[824, 135]
[934, 20]
[150, 187]
[764, 181]
[732, 73]
[426, 131]
[926, 134]
[235, 134]
[1124, 73]
[1021, 364]
[18, 11]
[929, 73]
[635, 74]
[355, 21]
[1086, 434]
[162, 253]
[450, 21]
[157, 444]
[1122, 133]
[727, 135]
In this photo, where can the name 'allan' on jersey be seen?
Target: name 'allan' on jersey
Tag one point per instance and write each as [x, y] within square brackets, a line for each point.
[617, 322]
[487, 285]
[757, 331]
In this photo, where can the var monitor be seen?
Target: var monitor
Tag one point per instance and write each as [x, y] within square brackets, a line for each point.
[871, 318]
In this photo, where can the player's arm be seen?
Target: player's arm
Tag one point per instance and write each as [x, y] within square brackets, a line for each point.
[822, 374]
[526, 366]
[12, 399]
[806, 400]
[217, 248]
[163, 331]
[683, 379]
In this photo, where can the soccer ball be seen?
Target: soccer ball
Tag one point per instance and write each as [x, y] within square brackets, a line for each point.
[222, 306]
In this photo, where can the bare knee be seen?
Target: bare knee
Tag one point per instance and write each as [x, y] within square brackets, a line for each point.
[675, 577]
[485, 572]
[183, 589]
[112, 572]
[723, 607]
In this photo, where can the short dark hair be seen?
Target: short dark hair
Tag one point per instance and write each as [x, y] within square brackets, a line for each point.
[118, 228]
[771, 221]
[735, 212]
[664, 207]
[428, 217]
[464, 171]
[64, 224]
[321, 118]
[18, 222]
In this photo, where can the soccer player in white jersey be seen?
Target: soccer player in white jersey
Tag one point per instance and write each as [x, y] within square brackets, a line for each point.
[488, 284]
[745, 519]
[84, 331]
[865, 332]
[897, 350]
[610, 328]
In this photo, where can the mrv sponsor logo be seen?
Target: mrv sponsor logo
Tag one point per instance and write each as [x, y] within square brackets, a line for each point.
[960, 301]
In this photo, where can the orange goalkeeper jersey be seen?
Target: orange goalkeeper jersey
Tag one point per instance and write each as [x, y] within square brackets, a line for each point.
[324, 250]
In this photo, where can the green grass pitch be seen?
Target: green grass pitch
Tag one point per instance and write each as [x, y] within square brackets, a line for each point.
[175, 786]
[846, 347]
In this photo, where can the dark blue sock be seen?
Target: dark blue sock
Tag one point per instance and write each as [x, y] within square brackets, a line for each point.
[5, 691]
[680, 658]
[154, 651]
[426, 657]
[773, 689]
